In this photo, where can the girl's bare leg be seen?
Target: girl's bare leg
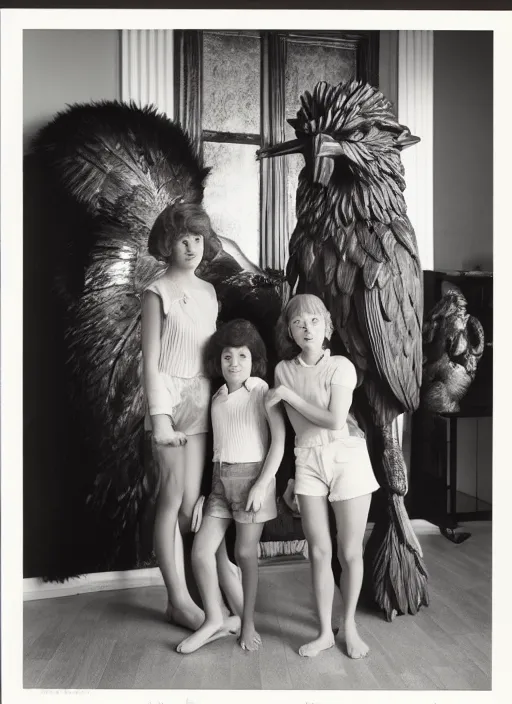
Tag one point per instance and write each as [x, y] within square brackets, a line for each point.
[351, 519]
[204, 561]
[195, 454]
[246, 550]
[315, 523]
[230, 582]
[181, 608]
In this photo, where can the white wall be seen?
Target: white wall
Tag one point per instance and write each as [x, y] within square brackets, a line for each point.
[61, 67]
[463, 124]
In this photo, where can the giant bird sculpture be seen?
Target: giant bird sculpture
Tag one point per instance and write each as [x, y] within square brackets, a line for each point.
[354, 246]
[121, 166]
[453, 343]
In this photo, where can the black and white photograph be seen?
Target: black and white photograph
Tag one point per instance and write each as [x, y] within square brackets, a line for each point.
[255, 302]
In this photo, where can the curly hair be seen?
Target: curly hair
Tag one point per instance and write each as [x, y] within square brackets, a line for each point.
[176, 220]
[235, 333]
[287, 348]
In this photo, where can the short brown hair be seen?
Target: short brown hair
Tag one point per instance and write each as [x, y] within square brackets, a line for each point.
[287, 348]
[236, 333]
[176, 220]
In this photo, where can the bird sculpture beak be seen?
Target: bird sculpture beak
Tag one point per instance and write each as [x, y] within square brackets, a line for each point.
[318, 150]
[407, 139]
[293, 146]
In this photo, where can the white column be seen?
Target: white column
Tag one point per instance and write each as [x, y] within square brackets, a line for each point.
[416, 111]
[147, 68]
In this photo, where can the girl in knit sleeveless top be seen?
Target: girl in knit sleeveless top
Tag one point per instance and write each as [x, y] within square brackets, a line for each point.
[179, 314]
[331, 460]
[248, 444]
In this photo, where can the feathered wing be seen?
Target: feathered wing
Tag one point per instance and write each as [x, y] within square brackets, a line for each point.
[370, 277]
[120, 166]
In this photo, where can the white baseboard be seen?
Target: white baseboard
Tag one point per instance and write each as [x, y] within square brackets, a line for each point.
[35, 588]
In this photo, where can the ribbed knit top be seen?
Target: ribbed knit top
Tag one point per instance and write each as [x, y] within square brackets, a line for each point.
[189, 321]
[313, 384]
[240, 430]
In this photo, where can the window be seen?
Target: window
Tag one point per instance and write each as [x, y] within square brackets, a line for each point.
[234, 92]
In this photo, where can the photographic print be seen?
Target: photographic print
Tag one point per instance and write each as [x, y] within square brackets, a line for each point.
[257, 354]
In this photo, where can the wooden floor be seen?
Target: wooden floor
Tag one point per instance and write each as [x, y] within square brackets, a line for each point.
[119, 640]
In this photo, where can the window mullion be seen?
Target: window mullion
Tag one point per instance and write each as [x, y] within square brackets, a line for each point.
[273, 222]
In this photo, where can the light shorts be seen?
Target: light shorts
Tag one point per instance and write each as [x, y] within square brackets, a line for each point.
[340, 470]
[186, 401]
[231, 485]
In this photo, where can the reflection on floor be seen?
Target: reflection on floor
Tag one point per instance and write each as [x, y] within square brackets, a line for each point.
[119, 640]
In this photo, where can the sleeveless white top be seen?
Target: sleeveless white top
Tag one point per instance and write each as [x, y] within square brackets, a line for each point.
[189, 321]
[240, 429]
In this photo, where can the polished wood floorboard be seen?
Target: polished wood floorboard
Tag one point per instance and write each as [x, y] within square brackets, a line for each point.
[119, 639]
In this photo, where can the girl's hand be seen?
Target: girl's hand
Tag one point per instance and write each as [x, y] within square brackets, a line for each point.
[290, 498]
[256, 496]
[274, 396]
[170, 438]
[164, 433]
[197, 515]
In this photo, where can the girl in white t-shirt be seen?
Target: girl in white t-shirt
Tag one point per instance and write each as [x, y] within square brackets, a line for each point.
[246, 460]
[331, 459]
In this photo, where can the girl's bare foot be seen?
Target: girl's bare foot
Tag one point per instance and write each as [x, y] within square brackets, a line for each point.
[200, 637]
[210, 630]
[356, 647]
[323, 642]
[249, 638]
[190, 617]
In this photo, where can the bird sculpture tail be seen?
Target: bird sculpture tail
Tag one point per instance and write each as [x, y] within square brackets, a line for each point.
[395, 575]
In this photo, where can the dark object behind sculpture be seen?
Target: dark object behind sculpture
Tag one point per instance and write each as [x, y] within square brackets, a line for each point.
[354, 246]
[453, 344]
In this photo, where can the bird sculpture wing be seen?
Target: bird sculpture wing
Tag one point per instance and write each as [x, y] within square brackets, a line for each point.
[121, 166]
[355, 245]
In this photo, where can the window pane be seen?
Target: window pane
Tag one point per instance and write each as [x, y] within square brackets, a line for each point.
[232, 194]
[306, 64]
[231, 82]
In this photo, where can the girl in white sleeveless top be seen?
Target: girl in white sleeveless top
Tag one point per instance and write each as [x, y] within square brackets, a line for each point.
[179, 314]
[331, 460]
[248, 446]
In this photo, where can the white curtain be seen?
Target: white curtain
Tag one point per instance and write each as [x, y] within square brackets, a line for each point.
[416, 110]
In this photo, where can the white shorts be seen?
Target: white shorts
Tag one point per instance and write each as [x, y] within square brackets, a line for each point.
[186, 401]
[340, 470]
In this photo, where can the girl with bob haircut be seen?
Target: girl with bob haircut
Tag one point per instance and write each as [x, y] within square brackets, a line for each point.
[179, 315]
[245, 460]
[175, 221]
[330, 462]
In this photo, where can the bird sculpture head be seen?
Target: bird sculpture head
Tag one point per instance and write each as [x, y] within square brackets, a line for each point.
[350, 127]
